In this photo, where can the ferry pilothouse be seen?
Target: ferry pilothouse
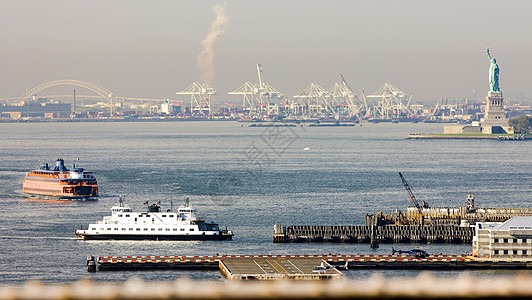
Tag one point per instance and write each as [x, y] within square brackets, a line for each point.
[60, 182]
[179, 224]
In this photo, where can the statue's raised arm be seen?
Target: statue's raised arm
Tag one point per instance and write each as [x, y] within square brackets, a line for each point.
[494, 74]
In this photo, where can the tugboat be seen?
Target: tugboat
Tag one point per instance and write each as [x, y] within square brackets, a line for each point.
[181, 224]
[60, 182]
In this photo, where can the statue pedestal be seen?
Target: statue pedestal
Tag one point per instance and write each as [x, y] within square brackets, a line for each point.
[495, 120]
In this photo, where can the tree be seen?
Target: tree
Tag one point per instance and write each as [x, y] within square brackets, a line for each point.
[523, 124]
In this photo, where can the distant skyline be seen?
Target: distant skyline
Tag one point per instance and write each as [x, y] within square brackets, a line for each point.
[149, 49]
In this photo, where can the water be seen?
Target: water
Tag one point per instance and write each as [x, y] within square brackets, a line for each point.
[247, 179]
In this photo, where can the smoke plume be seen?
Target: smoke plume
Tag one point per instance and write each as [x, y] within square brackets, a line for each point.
[206, 56]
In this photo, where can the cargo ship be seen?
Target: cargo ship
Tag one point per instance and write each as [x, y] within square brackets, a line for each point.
[153, 224]
[60, 183]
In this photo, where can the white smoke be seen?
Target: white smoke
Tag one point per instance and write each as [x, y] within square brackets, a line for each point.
[206, 56]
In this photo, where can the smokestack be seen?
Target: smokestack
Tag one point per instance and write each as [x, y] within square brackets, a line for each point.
[206, 56]
[74, 104]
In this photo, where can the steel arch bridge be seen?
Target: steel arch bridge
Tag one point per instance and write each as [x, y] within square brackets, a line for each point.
[101, 91]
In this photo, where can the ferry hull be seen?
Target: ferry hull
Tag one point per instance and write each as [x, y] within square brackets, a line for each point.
[58, 198]
[56, 189]
[220, 237]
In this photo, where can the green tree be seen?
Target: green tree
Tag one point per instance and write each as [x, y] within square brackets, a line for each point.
[523, 124]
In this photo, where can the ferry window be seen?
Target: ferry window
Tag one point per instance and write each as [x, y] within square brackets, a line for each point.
[123, 229]
[116, 228]
[108, 228]
[160, 229]
[148, 216]
[182, 229]
[130, 228]
[175, 229]
[164, 216]
[145, 229]
[191, 229]
[93, 228]
[153, 229]
[135, 219]
[127, 216]
[120, 216]
[167, 229]
[138, 229]
[171, 216]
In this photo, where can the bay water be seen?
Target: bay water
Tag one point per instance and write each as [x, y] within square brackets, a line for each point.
[245, 178]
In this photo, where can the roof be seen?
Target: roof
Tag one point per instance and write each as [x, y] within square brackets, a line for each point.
[518, 221]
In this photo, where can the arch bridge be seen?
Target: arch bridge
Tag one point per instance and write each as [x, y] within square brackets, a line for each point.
[97, 89]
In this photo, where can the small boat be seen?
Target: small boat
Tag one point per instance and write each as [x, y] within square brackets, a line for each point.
[60, 183]
[153, 224]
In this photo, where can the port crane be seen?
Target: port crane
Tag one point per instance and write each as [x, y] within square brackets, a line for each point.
[412, 196]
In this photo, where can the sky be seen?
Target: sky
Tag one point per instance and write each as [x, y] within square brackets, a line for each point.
[149, 49]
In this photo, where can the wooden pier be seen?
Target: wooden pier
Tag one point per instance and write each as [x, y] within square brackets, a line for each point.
[303, 267]
[383, 234]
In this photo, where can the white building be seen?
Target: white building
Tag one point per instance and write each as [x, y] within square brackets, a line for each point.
[510, 239]
[167, 108]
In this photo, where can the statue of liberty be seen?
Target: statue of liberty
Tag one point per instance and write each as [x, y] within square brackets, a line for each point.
[494, 74]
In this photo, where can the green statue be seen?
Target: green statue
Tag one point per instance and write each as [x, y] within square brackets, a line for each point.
[494, 74]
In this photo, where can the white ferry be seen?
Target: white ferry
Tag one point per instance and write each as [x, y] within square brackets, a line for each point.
[181, 224]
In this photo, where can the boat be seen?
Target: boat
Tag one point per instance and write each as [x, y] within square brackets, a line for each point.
[154, 224]
[60, 183]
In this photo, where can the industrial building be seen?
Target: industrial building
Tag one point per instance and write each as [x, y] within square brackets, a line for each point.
[38, 108]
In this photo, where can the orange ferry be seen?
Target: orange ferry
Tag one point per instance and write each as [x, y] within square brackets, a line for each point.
[60, 183]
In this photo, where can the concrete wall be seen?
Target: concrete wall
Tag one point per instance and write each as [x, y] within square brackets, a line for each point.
[453, 128]
[473, 129]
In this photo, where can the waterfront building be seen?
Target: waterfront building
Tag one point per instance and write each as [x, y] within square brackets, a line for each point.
[509, 239]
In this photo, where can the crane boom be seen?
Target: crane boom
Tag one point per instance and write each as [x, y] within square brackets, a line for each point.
[261, 76]
[412, 196]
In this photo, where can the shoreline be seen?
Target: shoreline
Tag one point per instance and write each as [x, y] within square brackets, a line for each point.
[443, 136]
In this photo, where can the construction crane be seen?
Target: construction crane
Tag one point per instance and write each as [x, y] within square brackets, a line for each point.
[412, 196]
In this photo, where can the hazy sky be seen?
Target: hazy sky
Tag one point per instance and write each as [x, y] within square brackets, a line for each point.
[149, 49]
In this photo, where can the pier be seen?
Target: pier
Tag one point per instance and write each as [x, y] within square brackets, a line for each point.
[383, 234]
[303, 267]
[233, 267]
